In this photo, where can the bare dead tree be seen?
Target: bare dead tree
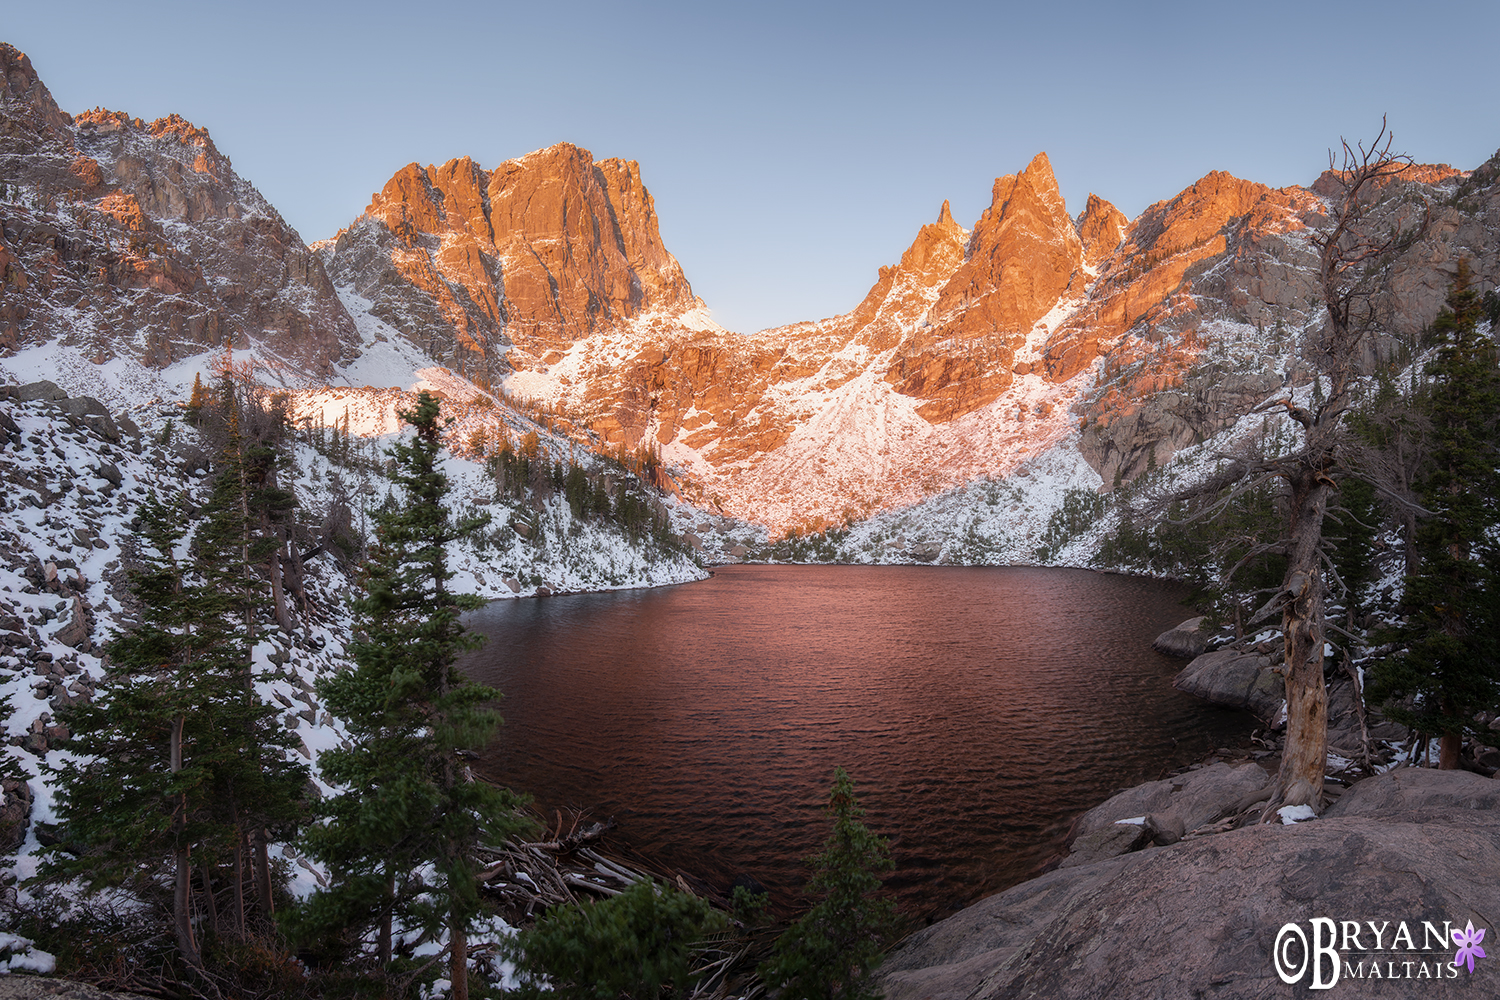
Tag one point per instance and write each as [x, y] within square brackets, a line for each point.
[1349, 252]
[1352, 255]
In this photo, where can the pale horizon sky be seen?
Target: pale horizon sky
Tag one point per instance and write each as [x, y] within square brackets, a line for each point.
[792, 149]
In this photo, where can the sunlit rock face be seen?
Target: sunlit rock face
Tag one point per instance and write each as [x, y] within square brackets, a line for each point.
[976, 351]
[124, 237]
[493, 269]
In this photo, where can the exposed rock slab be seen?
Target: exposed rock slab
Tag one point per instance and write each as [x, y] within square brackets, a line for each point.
[1234, 679]
[1200, 918]
[1186, 641]
[1195, 797]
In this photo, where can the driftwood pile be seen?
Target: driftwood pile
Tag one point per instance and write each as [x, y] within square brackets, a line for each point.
[525, 879]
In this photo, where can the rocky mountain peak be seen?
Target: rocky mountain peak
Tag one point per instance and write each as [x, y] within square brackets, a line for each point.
[23, 86]
[490, 270]
[94, 267]
[1101, 227]
[903, 294]
[1019, 261]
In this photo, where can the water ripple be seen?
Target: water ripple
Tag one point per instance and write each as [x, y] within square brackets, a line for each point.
[979, 710]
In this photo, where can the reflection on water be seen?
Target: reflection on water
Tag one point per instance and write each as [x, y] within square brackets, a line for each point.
[978, 710]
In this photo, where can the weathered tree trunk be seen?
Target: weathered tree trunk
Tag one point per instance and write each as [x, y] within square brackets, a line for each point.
[1305, 757]
[278, 592]
[1448, 750]
[263, 876]
[238, 899]
[1450, 745]
[210, 905]
[383, 932]
[182, 915]
[458, 969]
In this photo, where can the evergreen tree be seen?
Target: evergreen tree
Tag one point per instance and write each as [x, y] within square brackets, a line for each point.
[260, 793]
[144, 799]
[410, 806]
[1450, 664]
[832, 950]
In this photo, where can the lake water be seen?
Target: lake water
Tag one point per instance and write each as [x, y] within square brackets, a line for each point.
[979, 710]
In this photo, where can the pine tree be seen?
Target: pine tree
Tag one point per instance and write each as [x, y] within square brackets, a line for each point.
[832, 950]
[260, 793]
[1450, 665]
[410, 803]
[199, 397]
[177, 753]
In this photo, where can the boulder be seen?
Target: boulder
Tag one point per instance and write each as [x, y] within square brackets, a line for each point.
[1416, 793]
[1186, 640]
[1106, 842]
[926, 551]
[92, 414]
[1195, 798]
[15, 813]
[1200, 918]
[38, 390]
[110, 473]
[77, 629]
[1235, 679]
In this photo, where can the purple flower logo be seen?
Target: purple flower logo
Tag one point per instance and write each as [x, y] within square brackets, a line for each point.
[1468, 946]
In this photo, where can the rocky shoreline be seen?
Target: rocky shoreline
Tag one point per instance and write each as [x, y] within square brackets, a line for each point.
[1173, 888]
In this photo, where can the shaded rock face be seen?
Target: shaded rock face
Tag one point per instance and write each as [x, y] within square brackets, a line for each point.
[1186, 640]
[1195, 798]
[532, 255]
[1234, 251]
[1200, 918]
[136, 238]
[1235, 679]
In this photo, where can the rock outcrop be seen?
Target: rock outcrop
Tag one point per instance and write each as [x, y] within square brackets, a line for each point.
[1235, 679]
[1201, 917]
[123, 237]
[1187, 640]
[528, 257]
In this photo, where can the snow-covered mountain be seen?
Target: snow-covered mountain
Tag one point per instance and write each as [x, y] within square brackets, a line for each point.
[1120, 342]
[540, 290]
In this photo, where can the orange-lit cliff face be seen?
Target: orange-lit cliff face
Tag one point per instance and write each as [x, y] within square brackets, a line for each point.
[488, 269]
[136, 238]
[976, 351]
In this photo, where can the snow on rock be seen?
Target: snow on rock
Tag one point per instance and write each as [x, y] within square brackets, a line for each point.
[1296, 814]
[70, 495]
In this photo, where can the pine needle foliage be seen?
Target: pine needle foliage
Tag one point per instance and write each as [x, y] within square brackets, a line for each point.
[636, 944]
[831, 951]
[399, 841]
[1450, 664]
[177, 750]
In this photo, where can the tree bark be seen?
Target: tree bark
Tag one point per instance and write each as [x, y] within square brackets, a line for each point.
[383, 933]
[458, 969]
[239, 875]
[263, 876]
[278, 594]
[210, 905]
[182, 916]
[1305, 756]
[1448, 750]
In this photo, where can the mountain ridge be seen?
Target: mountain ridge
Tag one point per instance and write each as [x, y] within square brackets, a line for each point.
[544, 281]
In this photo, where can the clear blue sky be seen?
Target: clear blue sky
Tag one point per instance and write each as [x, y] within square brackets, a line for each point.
[792, 148]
